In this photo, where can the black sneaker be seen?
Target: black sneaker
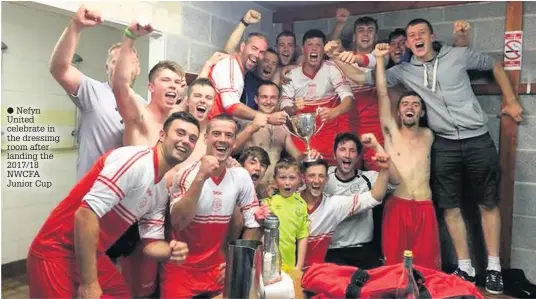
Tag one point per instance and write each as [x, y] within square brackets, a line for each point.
[464, 275]
[494, 282]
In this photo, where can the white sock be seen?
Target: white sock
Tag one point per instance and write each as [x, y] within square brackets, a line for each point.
[494, 263]
[466, 266]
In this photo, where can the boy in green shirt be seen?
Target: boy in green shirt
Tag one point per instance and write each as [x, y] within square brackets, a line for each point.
[291, 210]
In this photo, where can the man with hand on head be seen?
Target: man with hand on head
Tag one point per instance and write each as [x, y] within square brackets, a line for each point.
[66, 258]
[203, 199]
[100, 125]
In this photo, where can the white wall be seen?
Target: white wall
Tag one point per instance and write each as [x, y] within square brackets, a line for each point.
[193, 31]
[30, 35]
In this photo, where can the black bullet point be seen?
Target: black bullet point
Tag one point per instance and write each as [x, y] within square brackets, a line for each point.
[9, 110]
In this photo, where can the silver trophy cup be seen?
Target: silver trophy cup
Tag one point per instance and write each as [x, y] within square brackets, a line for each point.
[304, 126]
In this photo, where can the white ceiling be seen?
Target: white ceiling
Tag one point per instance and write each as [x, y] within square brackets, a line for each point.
[276, 5]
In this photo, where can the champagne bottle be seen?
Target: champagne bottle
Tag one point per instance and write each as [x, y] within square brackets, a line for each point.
[407, 286]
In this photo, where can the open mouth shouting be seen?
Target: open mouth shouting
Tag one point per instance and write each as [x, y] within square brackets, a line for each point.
[313, 57]
[346, 163]
[255, 177]
[221, 148]
[200, 111]
[266, 73]
[285, 57]
[315, 189]
[409, 114]
[251, 62]
[171, 97]
[419, 46]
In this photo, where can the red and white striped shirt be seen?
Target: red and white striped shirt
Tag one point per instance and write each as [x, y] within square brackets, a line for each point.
[227, 76]
[327, 85]
[324, 218]
[219, 196]
[121, 188]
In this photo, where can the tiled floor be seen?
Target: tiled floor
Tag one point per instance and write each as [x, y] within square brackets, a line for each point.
[16, 288]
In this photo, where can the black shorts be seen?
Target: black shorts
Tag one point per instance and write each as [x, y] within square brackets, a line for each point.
[366, 256]
[473, 161]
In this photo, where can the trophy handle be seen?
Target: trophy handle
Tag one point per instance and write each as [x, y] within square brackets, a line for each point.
[286, 129]
[321, 125]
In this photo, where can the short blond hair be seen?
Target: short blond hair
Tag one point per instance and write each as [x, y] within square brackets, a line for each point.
[166, 64]
[114, 47]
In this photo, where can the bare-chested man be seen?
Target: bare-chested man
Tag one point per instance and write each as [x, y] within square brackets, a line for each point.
[274, 139]
[409, 216]
[166, 84]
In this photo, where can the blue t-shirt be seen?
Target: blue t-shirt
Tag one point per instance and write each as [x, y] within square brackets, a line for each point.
[251, 83]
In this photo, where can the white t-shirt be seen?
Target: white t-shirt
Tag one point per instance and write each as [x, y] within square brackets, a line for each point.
[100, 124]
[327, 215]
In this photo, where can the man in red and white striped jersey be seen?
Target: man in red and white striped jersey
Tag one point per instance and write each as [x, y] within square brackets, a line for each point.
[67, 257]
[320, 86]
[204, 196]
[327, 212]
[228, 74]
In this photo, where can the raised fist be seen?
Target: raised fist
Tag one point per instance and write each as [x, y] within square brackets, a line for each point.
[209, 166]
[140, 28]
[461, 27]
[369, 140]
[382, 50]
[86, 18]
[332, 48]
[382, 160]
[252, 17]
[341, 15]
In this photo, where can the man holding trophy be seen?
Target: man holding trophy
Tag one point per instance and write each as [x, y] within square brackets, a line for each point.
[317, 98]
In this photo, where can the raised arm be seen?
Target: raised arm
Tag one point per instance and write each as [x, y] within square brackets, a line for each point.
[341, 16]
[332, 50]
[388, 122]
[186, 191]
[125, 96]
[475, 60]
[369, 140]
[251, 17]
[61, 68]
[461, 34]
[253, 127]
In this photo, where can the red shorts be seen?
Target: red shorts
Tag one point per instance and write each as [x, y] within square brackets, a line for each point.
[48, 279]
[365, 118]
[181, 282]
[411, 225]
[140, 272]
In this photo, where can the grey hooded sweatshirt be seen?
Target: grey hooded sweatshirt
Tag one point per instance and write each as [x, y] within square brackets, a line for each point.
[443, 83]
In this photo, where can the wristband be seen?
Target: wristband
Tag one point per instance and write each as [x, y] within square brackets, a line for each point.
[244, 22]
[129, 34]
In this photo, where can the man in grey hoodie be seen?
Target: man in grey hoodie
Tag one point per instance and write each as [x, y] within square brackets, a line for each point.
[463, 149]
